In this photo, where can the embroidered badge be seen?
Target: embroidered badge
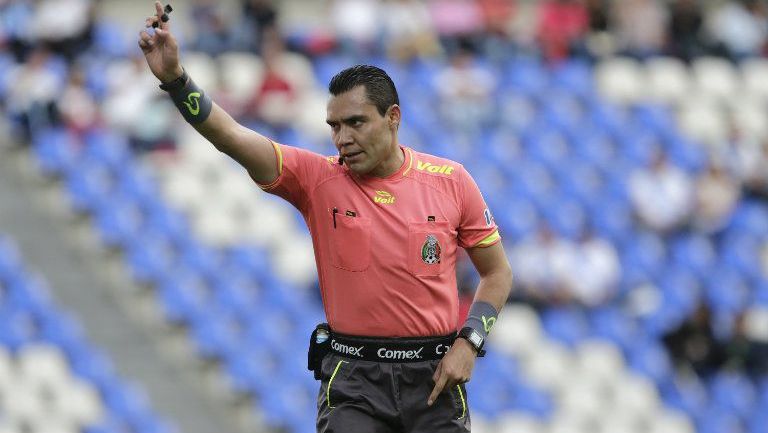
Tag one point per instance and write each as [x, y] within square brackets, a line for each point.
[430, 251]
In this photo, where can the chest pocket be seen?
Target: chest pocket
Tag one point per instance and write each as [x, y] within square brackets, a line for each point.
[427, 243]
[351, 242]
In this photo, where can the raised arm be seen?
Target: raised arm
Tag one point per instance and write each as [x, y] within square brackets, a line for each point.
[250, 149]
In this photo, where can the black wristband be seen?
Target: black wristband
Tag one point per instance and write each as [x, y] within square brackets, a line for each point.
[193, 103]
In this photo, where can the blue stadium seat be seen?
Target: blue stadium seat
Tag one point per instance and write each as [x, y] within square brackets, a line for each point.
[726, 290]
[734, 392]
[717, 420]
[89, 187]
[649, 358]
[611, 323]
[566, 324]
[55, 150]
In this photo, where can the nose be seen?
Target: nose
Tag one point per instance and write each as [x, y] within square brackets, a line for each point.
[343, 137]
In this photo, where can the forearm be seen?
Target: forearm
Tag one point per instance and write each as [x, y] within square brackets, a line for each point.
[250, 149]
[494, 288]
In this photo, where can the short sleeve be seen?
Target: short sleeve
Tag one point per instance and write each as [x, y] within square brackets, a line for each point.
[477, 228]
[298, 169]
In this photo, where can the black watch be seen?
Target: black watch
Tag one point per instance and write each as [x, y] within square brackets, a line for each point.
[475, 339]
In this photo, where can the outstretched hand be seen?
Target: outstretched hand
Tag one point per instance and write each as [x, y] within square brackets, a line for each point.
[160, 49]
[455, 368]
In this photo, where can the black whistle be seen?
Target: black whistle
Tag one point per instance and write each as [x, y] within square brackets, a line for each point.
[164, 18]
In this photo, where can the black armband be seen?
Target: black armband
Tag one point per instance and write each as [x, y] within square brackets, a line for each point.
[193, 103]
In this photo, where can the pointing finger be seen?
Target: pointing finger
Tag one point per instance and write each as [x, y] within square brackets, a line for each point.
[159, 9]
[439, 386]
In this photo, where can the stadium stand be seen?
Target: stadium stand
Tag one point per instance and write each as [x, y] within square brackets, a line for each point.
[51, 378]
[233, 266]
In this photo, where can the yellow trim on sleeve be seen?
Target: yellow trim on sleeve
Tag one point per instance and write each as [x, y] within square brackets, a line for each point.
[279, 154]
[489, 240]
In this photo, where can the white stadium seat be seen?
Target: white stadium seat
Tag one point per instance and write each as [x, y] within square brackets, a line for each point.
[715, 77]
[668, 421]
[621, 80]
[548, 364]
[599, 360]
[635, 395]
[42, 365]
[753, 73]
[668, 79]
[517, 330]
[202, 68]
[518, 423]
[243, 73]
[703, 120]
[295, 260]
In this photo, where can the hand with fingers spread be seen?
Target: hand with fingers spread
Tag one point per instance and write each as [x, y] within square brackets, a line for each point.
[160, 49]
[455, 368]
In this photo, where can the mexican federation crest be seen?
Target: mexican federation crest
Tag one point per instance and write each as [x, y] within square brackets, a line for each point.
[430, 251]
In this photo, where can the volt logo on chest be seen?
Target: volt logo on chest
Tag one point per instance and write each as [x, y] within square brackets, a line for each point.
[426, 166]
[383, 197]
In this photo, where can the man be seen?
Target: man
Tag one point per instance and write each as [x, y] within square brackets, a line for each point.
[386, 222]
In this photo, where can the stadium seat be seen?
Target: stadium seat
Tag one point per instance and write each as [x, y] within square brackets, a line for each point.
[621, 80]
[668, 79]
[714, 77]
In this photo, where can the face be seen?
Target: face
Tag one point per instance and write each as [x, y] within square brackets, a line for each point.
[364, 138]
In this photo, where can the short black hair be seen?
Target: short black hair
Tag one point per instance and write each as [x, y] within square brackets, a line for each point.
[379, 87]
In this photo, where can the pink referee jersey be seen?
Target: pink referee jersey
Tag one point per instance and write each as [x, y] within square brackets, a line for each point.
[386, 247]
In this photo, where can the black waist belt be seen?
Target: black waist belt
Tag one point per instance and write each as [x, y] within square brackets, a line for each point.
[391, 349]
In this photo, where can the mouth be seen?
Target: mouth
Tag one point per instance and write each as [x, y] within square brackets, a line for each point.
[351, 155]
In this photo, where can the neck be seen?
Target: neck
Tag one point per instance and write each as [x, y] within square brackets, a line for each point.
[390, 166]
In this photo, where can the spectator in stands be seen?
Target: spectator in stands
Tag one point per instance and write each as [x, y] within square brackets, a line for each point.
[133, 107]
[693, 345]
[542, 263]
[499, 16]
[275, 99]
[595, 271]
[640, 27]
[32, 91]
[600, 41]
[747, 348]
[716, 196]
[662, 195]
[408, 30]
[64, 26]
[213, 32]
[465, 89]
[457, 22]
[356, 24]
[15, 32]
[562, 28]
[259, 19]
[686, 22]
[747, 159]
[739, 28]
[76, 106]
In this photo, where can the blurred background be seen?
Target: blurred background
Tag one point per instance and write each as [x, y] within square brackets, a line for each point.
[147, 286]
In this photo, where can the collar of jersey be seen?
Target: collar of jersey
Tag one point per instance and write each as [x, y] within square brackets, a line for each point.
[400, 173]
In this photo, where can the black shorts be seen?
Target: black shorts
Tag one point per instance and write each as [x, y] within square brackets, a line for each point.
[364, 396]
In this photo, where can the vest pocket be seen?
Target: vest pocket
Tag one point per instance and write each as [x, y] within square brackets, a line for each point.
[427, 243]
[350, 242]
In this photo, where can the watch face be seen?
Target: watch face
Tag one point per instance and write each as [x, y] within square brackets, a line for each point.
[475, 338]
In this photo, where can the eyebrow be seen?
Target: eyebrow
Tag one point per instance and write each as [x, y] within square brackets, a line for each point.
[350, 119]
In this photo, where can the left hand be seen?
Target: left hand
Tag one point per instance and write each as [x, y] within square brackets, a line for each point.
[455, 368]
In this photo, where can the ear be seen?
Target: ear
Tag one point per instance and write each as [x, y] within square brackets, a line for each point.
[394, 116]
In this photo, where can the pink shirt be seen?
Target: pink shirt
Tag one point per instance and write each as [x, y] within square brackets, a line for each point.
[386, 247]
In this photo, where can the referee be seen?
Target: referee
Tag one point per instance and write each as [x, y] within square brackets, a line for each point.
[386, 223]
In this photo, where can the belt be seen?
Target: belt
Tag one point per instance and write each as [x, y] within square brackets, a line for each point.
[378, 349]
